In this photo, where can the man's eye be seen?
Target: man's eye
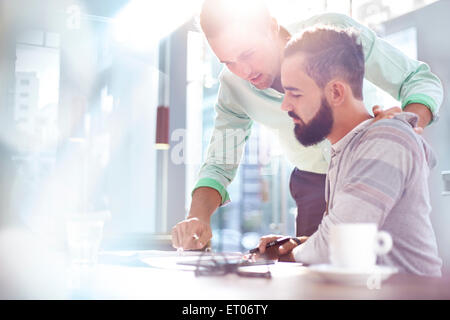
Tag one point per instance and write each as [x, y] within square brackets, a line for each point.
[296, 95]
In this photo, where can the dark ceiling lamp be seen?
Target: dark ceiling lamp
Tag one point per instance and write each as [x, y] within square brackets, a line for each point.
[162, 114]
[162, 128]
[162, 138]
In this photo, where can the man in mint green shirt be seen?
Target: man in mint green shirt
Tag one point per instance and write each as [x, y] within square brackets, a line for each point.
[250, 43]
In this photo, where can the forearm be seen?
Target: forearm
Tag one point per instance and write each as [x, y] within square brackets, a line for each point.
[424, 113]
[205, 202]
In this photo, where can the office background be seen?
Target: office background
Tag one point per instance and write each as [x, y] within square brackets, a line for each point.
[80, 83]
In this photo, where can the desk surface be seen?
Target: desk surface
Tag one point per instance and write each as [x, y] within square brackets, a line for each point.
[30, 272]
[289, 282]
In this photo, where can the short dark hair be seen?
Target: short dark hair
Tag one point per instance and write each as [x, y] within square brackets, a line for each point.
[216, 15]
[330, 53]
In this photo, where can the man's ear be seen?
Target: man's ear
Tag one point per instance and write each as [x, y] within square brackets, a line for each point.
[335, 92]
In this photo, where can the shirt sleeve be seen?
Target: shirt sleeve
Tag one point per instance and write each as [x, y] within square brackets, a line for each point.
[380, 168]
[232, 128]
[405, 79]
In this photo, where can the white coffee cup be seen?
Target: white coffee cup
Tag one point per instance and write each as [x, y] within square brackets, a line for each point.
[356, 245]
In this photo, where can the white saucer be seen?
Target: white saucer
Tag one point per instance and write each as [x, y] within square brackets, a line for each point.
[371, 277]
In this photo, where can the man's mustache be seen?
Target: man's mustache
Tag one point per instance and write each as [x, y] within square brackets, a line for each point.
[293, 115]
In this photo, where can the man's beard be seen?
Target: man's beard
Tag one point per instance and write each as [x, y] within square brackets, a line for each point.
[317, 129]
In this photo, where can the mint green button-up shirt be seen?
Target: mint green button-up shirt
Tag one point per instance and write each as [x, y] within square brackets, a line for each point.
[239, 104]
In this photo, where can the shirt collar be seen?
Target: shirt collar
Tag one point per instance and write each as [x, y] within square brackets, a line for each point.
[268, 92]
[340, 145]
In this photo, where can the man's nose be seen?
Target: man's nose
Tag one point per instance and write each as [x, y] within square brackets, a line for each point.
[286, 106]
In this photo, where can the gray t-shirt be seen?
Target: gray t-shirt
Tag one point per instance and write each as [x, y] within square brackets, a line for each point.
[379, 174]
